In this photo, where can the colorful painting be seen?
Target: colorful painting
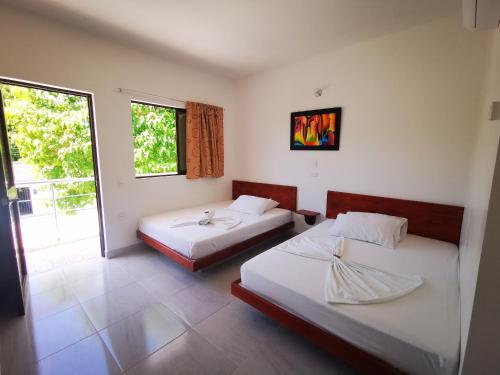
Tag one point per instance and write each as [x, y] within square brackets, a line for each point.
[315, 130]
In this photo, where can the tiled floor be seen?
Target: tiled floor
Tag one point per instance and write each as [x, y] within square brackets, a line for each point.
[142, 314]
[43, 260]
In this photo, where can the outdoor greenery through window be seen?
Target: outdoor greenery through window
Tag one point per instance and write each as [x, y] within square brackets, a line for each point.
[159, 139]
[49, 138]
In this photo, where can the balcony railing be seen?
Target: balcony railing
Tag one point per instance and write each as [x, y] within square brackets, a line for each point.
[44, 224]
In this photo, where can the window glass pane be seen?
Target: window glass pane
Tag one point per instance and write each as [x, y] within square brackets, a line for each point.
[155, 139]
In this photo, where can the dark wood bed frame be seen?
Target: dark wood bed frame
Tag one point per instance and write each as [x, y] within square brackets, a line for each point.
[286, 195]
[437, 221]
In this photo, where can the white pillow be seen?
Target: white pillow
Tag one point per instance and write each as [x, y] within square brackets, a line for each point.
[271, 204]
[380, 229]
[252, 205]
[403, 231]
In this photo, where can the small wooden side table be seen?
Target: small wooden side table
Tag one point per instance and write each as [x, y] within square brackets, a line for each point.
[309, 216]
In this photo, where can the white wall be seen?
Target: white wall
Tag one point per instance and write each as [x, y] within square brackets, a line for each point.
[481, 351]
[476, 210]
[410, 102]
[37, 50]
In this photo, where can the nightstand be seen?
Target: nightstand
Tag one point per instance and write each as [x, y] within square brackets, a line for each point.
[309, 216]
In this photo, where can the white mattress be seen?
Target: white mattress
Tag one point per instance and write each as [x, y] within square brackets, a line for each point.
[198, 241]
[418, 333]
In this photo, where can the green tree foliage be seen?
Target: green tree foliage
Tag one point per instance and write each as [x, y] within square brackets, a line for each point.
[50, 131]
[155, 149]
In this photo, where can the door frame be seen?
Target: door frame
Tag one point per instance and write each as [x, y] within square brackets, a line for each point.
[13, 265]
[93, 140]
[10, 175]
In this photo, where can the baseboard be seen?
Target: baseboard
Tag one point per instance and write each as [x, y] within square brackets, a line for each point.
[110, 254]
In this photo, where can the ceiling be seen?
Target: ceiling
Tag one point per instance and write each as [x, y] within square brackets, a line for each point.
[237, 38]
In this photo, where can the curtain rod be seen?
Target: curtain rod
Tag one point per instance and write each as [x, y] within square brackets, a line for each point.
[143, 93]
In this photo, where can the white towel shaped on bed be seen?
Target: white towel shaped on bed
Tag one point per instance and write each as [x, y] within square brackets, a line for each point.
[205, 218]
[351, 282]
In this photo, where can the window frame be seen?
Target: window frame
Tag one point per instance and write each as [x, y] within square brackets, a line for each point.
[177, 110]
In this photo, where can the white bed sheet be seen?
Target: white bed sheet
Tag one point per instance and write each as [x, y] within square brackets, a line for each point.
[418, 333]
[197, 241]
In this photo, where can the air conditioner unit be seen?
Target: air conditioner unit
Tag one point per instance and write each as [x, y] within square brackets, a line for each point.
[481, 14]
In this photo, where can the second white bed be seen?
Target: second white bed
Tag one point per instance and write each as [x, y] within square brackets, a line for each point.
[418, 333]
[197, 241]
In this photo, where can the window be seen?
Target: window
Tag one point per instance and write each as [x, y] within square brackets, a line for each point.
[159, 139]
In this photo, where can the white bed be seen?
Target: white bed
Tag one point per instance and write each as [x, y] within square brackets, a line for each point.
[198, 241]
[418, 333]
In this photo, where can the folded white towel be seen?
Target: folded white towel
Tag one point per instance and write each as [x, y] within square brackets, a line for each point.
[205, 217]
[350, 282]
[230, 221]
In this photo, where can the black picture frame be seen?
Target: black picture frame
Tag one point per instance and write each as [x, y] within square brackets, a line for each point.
[338, 119]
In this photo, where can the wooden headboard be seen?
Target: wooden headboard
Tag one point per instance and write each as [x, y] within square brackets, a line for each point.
[285, 195]
[438, 221]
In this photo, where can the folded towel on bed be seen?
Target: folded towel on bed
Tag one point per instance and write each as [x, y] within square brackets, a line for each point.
[229, 222]
[205, 218]
[350, 282]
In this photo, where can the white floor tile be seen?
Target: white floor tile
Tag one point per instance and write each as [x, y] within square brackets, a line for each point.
[141, 334]
[86, 357]
[55, 332]
[117, 305]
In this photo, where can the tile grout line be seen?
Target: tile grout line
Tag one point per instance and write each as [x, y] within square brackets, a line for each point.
[190, 328]
[215, 312]
[29, 320]
[96, 332]
[86, 316]
[66, 284]
[157, 350]
[69, 288]
[217, 348]
[208, 339]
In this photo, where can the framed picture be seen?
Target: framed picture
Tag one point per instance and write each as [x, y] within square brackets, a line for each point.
[315, 130]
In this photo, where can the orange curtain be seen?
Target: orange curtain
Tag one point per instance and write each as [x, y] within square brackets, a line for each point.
[204, 140]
